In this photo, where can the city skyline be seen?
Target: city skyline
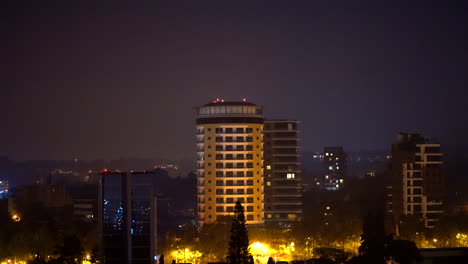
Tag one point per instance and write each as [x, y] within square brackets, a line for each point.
[355, 75]
[233, 132]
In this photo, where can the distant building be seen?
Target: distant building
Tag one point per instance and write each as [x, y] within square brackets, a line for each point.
[3, 189]
[48, 195]
[84, 209]
[230, 160]
[334, 165]
[282, 182]
[417, 181]
[127, 218]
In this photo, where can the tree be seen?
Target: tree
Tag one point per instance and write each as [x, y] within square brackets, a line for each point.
[211, 236]
[71, 252]
[337, 256]
[402, 251]
[270, 261]
[238, 248]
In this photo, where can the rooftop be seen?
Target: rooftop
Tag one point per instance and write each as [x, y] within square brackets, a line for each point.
[214, 103]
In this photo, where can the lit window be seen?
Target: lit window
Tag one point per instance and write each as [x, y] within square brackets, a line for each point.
[326, 154]
[337, 186]
[326, 176]
[330, 167]
[341, 180]
[268, 183]
[290, 176]
[331, 154]
[268, 167]
[337, 158]
[337, 167]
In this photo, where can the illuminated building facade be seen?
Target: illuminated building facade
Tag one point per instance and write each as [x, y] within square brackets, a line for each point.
[334, 162]
[127, 220]
[229, 160]
[417, 179]
[3, 189]
[283, 189]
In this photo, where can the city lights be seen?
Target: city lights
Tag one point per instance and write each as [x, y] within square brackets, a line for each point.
[186, 255]
[15, 217]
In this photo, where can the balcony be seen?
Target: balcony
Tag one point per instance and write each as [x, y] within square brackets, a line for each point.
[287, 203]
[235, 167]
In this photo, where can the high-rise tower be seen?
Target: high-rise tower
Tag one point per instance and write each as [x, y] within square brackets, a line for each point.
[283, 189]
[229, 160]
[127, 218]
[334, 163]
[418, 186]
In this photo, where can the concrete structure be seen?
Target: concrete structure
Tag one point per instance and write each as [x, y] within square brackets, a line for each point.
[127, 218]
[334, 165]
[282, 182]
[417, 182]
[84, 209]
[229, 160]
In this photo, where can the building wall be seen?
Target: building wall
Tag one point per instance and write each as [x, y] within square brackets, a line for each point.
[423, 183]
[283, 190]
[334, 168]
[227, 174]
[230, 160]
[127, 218]
[417, 186]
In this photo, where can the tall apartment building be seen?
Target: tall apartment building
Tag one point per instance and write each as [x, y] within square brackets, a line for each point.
[334, 163]
[282, 182]
[417, 179]
[127, 218]
[230, 160]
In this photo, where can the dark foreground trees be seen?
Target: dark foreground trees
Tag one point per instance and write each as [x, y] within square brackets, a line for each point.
[238, 248]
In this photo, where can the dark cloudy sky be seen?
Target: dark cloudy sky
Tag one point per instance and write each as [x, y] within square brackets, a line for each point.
[107, 79]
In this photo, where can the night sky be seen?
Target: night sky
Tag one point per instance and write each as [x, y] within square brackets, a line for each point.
[103, 79]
